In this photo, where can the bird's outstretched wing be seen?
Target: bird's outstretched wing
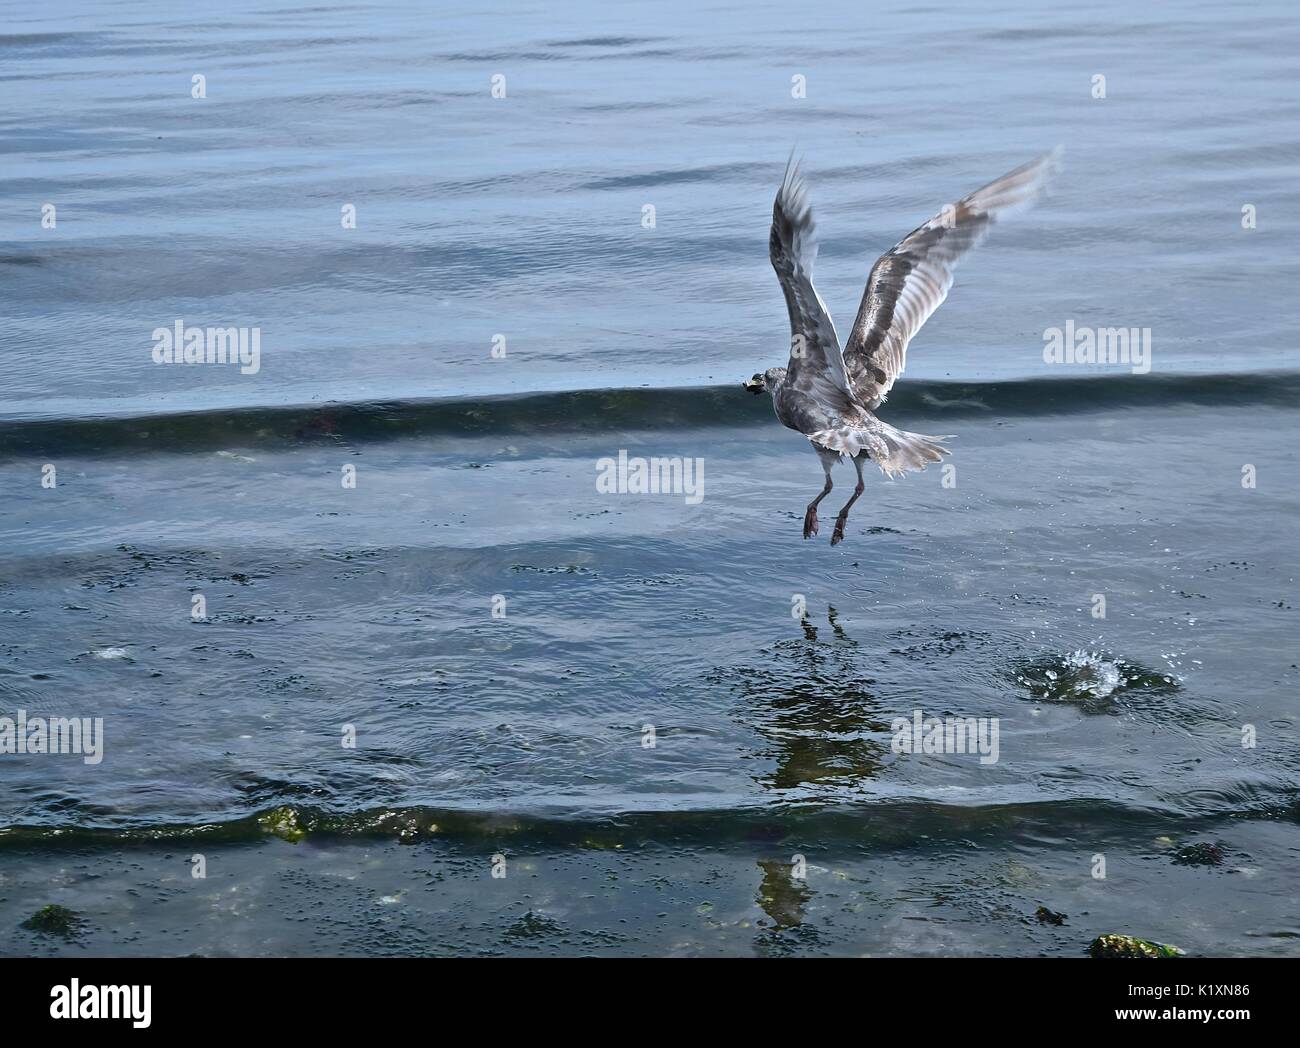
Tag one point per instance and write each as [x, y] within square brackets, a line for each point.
[911, 280]
[816, 364]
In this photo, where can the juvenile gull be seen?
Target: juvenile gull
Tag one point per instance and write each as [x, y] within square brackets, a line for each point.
[829, 395]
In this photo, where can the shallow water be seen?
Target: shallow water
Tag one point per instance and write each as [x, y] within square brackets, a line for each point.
[524, 735]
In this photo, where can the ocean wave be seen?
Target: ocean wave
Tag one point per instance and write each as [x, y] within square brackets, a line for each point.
[600, 410]
[882, 823]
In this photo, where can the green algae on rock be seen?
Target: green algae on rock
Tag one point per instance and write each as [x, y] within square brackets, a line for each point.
[283, 823]
[55, 920]
[1129, 946]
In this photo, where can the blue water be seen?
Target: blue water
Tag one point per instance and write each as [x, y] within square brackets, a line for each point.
[518, 221]
[521, 216]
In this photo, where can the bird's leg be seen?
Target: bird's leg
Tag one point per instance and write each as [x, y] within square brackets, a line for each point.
[838, 535]
[810, 518]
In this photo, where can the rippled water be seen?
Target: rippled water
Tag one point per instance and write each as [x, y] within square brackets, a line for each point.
[767, 671]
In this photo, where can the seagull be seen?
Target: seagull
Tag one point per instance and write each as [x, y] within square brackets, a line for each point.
[830, 395]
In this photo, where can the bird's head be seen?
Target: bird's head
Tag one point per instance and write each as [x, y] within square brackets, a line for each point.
[766, 380]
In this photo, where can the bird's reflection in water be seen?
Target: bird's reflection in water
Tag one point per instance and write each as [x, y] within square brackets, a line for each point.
[784, 899]
[782, 895]
[811, 703]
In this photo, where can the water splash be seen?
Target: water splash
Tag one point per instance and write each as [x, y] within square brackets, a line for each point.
[1089, 679]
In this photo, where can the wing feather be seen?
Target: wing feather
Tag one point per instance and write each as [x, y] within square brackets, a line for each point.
[816, 363]
[911, 280]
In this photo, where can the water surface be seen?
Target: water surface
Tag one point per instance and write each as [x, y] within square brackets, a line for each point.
[769, 669]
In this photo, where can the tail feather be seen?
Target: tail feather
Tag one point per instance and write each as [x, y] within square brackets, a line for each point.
[895, 451]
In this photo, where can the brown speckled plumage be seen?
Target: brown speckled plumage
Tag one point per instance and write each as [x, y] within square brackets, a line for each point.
[829, 394]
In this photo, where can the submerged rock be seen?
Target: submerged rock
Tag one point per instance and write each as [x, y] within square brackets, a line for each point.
[55, 920]
[1046, 916]
[1129, 946]
[1202, 854]
[532, 926]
